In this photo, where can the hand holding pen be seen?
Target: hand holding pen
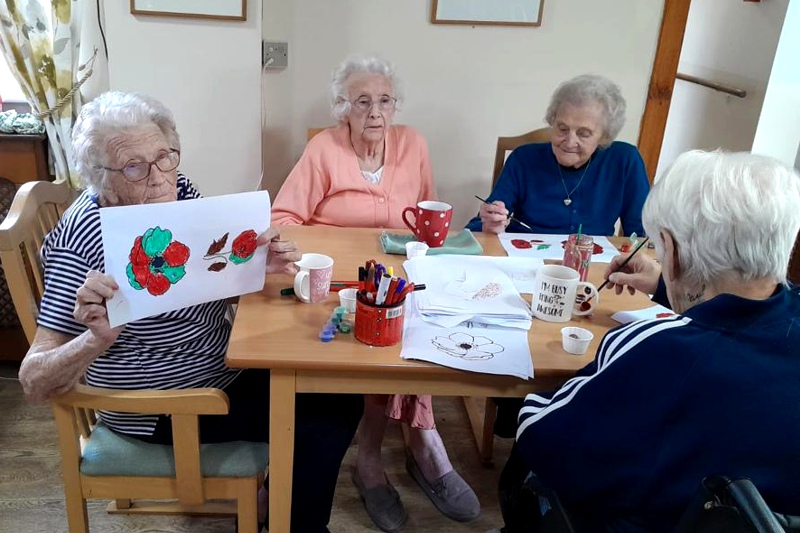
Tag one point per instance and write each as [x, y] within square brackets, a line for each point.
[495, 217]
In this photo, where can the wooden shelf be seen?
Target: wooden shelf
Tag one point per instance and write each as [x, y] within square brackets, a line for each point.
[23, 158]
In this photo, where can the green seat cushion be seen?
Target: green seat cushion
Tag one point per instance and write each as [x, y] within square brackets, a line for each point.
[460, 243]
[111, 454]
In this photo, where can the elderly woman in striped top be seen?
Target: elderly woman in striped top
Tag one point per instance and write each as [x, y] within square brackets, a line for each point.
[127, 150]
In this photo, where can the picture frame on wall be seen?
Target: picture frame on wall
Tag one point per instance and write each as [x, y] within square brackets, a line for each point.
[488, 12]
[204, 9]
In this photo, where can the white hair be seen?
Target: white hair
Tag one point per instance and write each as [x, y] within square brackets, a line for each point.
[355, 64]
[587, 89]
[729, 213]
[111, 114]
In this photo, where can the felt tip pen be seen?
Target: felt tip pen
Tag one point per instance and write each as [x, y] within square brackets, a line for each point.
[383, 289]
[391, 294]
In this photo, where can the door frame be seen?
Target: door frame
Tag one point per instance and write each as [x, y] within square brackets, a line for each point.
[662, 82]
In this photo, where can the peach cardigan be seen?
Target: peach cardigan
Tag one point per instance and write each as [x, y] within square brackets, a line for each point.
[326, 186]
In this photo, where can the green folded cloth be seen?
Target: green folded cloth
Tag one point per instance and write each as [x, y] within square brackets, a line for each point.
[25, 123]
[461, 243]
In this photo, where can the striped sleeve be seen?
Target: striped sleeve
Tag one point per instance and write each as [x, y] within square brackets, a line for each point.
[580, 441]
[65, 273]
[614, 345]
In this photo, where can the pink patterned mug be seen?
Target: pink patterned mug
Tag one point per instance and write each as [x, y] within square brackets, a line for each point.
[431, 221]
[312, 283]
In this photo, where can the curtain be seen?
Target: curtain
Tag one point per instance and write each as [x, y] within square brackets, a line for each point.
[55, 51]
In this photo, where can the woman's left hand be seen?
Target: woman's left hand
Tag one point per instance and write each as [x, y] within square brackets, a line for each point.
[281, 255]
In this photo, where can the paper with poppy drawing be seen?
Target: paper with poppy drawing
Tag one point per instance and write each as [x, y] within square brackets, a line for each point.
[471, 346]
[165, 257]
[542, 246]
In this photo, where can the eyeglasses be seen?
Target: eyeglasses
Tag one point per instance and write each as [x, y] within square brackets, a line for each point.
[166, 162]
[385, 103]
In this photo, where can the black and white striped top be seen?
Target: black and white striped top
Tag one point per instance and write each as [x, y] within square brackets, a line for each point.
[176, 350]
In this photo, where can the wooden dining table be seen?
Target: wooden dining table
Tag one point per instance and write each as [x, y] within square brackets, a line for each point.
[281, 334]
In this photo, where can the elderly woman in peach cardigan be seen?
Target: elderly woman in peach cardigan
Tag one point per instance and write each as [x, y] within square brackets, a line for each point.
[362, 173]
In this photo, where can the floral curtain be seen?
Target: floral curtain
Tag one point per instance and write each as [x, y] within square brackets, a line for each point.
[54, 50]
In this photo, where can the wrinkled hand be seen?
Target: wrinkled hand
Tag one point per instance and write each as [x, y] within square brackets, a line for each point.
[640, 274]
[494, 217]
[281, 255]
[90, 308]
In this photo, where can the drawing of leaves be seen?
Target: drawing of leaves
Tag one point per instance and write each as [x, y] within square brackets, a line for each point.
[543, 247]
[218, 266]
[217, 246]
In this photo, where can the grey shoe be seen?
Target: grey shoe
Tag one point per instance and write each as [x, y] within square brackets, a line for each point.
[450, 493]
[382, 503]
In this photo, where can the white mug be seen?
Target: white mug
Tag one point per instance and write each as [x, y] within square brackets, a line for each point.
[555, 294]
[312, 283]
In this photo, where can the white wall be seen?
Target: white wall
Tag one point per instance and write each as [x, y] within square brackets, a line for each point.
[464, 85]
[208, 73]
[731, 42]
[778, 133]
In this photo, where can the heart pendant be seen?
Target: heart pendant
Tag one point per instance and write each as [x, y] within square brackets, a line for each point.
[567, 201]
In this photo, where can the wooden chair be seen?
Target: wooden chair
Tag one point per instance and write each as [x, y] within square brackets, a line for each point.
[312, 132]
[107, 465]
[482, 412]
[508, 144]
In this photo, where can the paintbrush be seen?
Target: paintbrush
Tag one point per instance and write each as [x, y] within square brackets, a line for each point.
[518, 221]
[622, 265]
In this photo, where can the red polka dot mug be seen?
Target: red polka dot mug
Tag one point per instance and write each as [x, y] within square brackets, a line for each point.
[431, 221]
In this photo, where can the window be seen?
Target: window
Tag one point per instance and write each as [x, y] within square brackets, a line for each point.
[9, 88]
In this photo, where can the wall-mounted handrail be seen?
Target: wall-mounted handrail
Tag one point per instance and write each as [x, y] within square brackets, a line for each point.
[733, 91]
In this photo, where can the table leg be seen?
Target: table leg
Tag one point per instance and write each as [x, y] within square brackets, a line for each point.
[482, 413]
[281, 448]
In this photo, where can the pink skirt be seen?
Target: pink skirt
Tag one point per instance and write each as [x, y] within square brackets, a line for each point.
[416, 411]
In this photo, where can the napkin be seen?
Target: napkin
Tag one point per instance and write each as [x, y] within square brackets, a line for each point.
[461, 243]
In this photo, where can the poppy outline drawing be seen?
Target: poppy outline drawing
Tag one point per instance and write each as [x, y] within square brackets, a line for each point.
[156, 262]
[467, 347]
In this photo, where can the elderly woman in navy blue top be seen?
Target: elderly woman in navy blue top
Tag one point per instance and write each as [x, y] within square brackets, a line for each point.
[582, 176]
[127, 150]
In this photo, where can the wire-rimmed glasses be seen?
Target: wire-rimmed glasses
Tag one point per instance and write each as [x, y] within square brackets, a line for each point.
[134, 172]
[384, 103]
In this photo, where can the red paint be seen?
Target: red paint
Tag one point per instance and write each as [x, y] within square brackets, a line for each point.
[522, 244]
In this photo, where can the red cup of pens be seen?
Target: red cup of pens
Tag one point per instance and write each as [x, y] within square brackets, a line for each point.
[378, 325]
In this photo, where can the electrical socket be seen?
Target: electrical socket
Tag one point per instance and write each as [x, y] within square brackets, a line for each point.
[274, 54]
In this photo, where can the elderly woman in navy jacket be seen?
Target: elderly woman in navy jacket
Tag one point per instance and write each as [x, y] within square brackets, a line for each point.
[581, 177]
[709, 390]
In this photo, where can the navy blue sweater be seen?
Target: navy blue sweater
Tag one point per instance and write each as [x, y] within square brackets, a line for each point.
[670, 401]
[615, 186]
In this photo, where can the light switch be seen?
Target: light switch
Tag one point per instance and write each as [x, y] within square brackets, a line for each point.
[274, 55]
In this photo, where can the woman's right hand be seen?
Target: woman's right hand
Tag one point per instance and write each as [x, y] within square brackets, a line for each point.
[90, 308]
[494, 217]
[640, 274]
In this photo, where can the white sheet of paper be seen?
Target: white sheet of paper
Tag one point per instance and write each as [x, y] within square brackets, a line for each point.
[549, 246]
[469, 346]
[196, 224]
[624, 317]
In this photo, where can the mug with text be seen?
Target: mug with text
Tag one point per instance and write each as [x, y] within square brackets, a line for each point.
[312, 283]
[555, 294]
[431, 221]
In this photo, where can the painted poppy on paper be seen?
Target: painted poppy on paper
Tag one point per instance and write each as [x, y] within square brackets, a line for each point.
[156, 261]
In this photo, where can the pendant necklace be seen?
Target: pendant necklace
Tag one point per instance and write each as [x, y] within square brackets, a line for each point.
[568, 200]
